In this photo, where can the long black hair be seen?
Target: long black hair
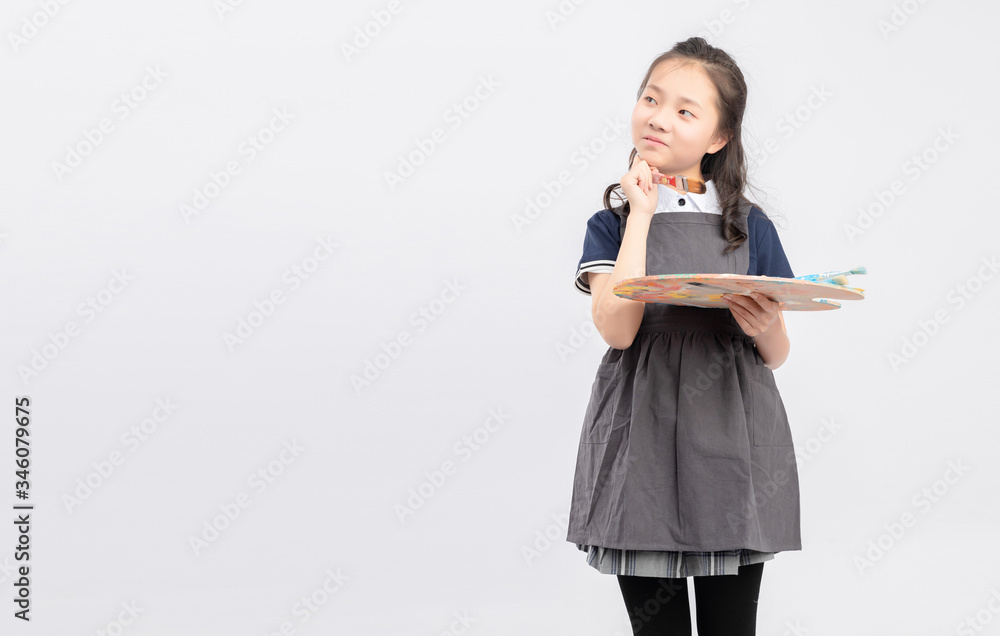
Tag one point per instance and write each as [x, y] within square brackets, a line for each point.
[727, 167]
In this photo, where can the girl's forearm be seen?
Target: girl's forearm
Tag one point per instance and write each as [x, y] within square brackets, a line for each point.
[618, 319]
[773, 344]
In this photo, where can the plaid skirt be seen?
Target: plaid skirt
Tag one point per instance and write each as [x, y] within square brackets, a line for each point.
[670, 564]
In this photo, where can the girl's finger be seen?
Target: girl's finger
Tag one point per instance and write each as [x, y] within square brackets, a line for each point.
[743, 306]
[739, 319]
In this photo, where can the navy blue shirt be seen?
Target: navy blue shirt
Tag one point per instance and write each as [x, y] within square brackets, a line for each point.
[601, 244]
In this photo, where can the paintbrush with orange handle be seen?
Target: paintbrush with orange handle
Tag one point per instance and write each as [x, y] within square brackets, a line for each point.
[684, 184]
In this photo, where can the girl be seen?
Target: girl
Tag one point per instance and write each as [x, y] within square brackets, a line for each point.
[685, 464]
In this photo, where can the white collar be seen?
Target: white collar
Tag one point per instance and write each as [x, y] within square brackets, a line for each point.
[668, 200]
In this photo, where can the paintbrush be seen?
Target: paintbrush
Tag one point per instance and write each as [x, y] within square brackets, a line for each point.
[837, 278]
[678, 182]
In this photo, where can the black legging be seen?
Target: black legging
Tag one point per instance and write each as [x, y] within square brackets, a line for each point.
[726, 604]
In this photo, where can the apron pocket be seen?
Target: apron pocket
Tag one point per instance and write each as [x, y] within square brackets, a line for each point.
[597, 422]
[770, 421]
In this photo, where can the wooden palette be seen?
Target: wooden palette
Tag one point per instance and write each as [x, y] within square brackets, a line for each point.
[706, 290]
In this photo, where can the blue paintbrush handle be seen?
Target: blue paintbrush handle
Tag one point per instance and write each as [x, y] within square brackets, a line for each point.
[819, 278]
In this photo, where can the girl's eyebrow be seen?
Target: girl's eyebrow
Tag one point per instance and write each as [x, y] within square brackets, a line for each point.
[681, 99]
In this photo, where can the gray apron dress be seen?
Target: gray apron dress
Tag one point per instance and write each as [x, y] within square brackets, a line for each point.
[685, 443]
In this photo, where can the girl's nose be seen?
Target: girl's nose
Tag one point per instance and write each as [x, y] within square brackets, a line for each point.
[660, 122]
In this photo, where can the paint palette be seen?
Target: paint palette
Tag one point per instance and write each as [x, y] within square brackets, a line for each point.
[706, 290]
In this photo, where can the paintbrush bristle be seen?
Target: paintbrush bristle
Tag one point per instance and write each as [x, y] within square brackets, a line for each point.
[698, 187]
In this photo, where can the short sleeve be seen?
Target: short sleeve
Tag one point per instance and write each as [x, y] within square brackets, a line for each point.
[768, 257]
[600, 247]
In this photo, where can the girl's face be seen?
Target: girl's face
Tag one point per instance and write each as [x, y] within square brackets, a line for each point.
[677, 107]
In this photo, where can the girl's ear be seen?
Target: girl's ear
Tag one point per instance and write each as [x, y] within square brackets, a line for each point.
[719, 144]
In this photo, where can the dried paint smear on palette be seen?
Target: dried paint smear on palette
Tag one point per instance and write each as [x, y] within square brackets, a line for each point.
[706, 290]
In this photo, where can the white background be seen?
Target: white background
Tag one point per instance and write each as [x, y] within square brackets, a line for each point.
[506, 331]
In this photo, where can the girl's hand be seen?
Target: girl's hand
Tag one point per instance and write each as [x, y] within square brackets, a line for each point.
[638, 186]
[755, 313]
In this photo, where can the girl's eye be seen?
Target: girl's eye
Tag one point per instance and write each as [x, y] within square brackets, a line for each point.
[683, 110]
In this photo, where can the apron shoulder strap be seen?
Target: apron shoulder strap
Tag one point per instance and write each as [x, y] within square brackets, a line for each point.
[743, 221]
